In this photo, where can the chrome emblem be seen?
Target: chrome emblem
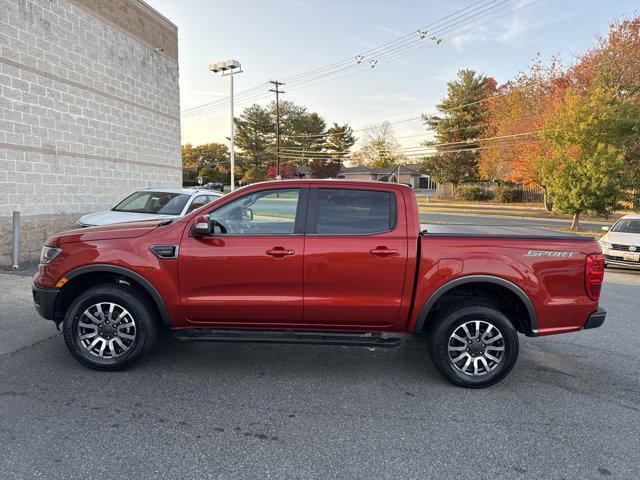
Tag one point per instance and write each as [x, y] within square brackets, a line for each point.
[632, 248]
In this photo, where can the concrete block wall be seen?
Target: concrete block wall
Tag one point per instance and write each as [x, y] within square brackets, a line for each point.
[89, 111]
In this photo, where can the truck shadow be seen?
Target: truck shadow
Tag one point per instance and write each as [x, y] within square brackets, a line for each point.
[410, 358]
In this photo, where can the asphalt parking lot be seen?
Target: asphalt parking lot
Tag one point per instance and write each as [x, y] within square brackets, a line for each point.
[570, 409]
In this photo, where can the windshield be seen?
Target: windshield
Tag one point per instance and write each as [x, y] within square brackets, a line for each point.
[627, 226]
[163, 203]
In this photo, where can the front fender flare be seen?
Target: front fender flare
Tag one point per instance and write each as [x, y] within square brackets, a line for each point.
[125, 272]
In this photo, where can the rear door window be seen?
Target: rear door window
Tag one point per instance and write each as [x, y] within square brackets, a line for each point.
[342, 211]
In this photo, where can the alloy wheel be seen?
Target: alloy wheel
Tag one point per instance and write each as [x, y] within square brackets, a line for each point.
[106, 330]
[476, 348]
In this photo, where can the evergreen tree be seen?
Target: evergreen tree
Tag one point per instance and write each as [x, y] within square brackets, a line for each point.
[255, 136]
[461, 118]
[339, 141]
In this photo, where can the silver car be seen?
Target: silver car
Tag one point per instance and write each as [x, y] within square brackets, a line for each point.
[153, 203]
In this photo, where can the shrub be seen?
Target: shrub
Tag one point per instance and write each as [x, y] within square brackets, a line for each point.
[472, 193]
[506, 194]
[287, 170]
[253, 175]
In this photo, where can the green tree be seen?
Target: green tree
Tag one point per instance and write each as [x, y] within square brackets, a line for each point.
[302, 135]
[210, 159]
[255, 137]
[210, 174]
[461, 119]
[614, 63]
[380, 149]
[339, 141]
[588, 133]
[254, 174]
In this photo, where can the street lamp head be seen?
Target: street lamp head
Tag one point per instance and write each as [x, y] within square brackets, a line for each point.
[228, 65]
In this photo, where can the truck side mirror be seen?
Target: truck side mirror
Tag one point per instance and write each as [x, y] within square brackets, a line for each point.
[202, 225]
[605, 229]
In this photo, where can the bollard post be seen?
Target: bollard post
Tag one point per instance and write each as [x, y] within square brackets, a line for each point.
[16, 241]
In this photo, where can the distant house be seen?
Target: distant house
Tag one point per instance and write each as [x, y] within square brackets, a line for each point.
[304, 171]
[408, 175]
[400, 174]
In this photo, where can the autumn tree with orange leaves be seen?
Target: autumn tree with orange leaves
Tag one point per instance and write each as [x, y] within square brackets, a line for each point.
[575, 132]
[512, 148]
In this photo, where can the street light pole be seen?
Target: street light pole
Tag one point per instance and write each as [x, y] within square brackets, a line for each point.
[229, 68]
[233, 160]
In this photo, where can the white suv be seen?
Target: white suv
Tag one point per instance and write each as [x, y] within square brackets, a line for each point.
[621, 244]
[151, 204]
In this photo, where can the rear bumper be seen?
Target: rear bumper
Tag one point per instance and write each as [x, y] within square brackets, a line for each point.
[44, 300]
[596, 319]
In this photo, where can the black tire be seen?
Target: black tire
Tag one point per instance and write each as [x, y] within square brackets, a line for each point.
[145, 334]
[449, 321]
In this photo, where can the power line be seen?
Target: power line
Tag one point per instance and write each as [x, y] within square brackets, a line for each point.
[495, 96]
[301, 84]
[225, 100]
[327, 67]
[370, 52]
[422, 147]
[421, 155]
[385, 52]
[459, 34]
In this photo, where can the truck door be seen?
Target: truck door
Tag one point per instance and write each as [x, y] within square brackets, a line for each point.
[251, 273]
[355, 257]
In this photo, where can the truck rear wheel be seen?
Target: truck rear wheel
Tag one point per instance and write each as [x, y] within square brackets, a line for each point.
[109, 327]
[473, 346]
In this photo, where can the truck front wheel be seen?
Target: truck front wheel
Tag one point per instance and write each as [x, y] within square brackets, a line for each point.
[473, 346]
[109, 327]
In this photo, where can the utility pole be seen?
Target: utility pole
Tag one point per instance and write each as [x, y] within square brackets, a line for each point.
[277, 91]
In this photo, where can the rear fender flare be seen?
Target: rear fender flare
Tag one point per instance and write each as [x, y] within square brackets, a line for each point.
[435, 296]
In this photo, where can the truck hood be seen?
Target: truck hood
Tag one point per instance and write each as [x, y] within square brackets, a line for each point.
[110, 217]
[108, 232]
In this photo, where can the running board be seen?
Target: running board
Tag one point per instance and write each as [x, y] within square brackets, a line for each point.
[363, 339]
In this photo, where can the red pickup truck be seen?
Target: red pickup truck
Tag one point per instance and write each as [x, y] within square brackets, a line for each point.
[318, 262]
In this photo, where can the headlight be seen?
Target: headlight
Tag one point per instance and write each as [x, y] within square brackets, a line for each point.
[605, 245]
[48, 254]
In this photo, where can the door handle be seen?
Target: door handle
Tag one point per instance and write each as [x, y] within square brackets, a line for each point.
[383, 251]
[279, 252]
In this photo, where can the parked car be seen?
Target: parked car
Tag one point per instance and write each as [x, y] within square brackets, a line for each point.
[214, 186]
[152, 203]
[621, 243]
[321, 262]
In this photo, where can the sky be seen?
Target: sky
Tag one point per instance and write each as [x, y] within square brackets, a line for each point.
[275, 40]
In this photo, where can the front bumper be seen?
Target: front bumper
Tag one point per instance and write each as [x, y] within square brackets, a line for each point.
[618, 260]
[596, 319]
[44, 300]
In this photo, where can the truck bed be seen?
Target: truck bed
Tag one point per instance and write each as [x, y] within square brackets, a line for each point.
[460, 230]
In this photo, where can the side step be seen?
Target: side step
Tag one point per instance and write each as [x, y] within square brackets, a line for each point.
[311, 337]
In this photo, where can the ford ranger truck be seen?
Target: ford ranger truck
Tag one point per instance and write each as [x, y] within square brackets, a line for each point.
[318, 262]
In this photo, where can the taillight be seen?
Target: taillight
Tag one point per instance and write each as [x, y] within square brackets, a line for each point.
[594, 274]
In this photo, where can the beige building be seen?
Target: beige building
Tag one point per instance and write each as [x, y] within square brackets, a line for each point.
[89, 111]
